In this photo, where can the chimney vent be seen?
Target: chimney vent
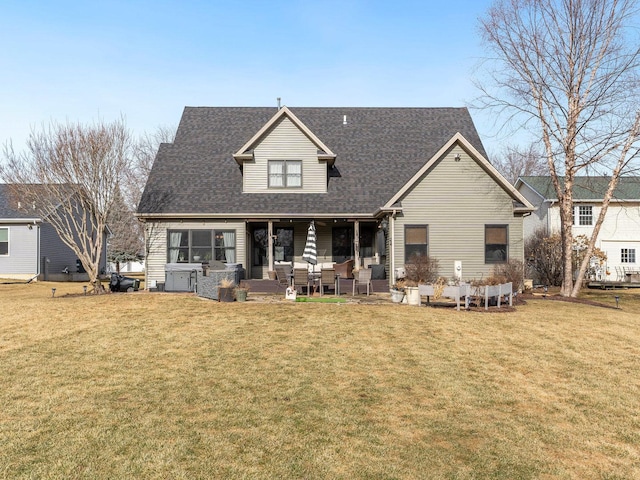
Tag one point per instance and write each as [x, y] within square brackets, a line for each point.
[279, 103]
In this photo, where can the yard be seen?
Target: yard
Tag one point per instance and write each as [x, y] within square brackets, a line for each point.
[172, 386]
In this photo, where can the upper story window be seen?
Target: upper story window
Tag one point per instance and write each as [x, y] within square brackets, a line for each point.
[583, 215]
[4, 241]
[496, 243]
[285, 173]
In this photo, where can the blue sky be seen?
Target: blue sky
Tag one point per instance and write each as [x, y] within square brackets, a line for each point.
[86, 60]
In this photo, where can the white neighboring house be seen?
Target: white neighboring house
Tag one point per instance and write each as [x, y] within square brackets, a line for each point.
[619, 235]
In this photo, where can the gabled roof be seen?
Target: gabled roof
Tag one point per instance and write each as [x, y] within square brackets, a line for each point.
[585, 188]
[522, 204]
[378, 151]
[245, 151]
[9, 211]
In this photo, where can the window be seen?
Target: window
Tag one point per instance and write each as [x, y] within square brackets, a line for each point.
[285, 173]
[341, 243]
[628, 255]
[495, 243]
[415, 241]
[225, 247]
[283, 245]
[583, 215]
[184, 246]
[4, 241]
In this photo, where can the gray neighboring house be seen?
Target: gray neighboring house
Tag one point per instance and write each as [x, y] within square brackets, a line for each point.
[240, 185]
[30, 248]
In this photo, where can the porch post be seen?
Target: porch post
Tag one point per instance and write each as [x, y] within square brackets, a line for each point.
[270, 244]
[356, 244]
[392, 252]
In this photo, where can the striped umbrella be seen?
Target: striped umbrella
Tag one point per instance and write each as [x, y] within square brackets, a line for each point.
[310, 254]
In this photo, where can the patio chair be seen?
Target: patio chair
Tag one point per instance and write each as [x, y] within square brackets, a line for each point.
[283, 275]
[327, 279]
[301, 279]
[345, 269]
[619, 274]
[363, 277]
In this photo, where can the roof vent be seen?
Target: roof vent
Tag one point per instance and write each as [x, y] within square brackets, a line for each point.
[279, 103]
[344, 119]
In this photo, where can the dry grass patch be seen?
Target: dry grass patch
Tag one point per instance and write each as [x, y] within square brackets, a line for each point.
[171, 386]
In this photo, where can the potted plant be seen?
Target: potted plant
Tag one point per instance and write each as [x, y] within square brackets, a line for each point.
[241, 292]
[397, 291]
[226, 290]
[421, 269]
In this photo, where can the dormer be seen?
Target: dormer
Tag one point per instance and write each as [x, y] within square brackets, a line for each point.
[284, 156]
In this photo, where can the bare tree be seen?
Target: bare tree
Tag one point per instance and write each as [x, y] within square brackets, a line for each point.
[144, 154]
[70, 175]
[127, 243]
[568, 70]
[514, 162]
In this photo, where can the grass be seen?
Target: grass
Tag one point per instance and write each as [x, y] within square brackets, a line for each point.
[172, 386]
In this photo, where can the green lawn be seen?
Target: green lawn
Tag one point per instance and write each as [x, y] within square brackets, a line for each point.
[172, 386]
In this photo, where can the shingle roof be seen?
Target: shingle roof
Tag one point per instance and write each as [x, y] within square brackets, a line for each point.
[8, 209]
[587, 188]
[377, 152]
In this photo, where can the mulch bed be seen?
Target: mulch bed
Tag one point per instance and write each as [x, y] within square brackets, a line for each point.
[560, 298]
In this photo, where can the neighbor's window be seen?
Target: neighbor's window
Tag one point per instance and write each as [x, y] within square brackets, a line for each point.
[627, 255]
[495, 243]
[415, 241]
[285, 173]
[202, 245]
[4, 241]
[583, 215]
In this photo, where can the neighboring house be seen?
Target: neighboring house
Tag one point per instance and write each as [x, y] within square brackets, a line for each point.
[30, 248]
[240, 185]
[619, 236]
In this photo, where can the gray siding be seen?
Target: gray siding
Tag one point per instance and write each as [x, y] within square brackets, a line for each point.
[539, 218]
[58, 254]
[22, 261]
[457, 199]
[156, 238]
[285, 142]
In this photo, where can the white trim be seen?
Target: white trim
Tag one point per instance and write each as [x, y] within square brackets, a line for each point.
[480, 160]
[8, 254]
[243, 154]
[520, 181]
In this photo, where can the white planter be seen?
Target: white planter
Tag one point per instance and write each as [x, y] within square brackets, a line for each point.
[396, 295]
[413, 295]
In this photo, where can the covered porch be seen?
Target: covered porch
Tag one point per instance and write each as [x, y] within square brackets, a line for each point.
[281, 241]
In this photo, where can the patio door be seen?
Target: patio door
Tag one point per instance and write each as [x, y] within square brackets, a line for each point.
[342, 243]
[282, 247]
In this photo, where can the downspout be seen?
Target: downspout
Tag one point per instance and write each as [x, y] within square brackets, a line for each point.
[392, 230]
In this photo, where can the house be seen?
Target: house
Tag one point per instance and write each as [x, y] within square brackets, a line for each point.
[619, 236]
[30, 248]
[241, 185]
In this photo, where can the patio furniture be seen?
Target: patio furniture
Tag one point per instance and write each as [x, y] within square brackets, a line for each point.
[344, 269]
[283, 275]
[327, 279]
[363, 277]
[301, 279]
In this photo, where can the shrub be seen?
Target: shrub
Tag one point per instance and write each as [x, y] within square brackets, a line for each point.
[422, 269]
[512, 271]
